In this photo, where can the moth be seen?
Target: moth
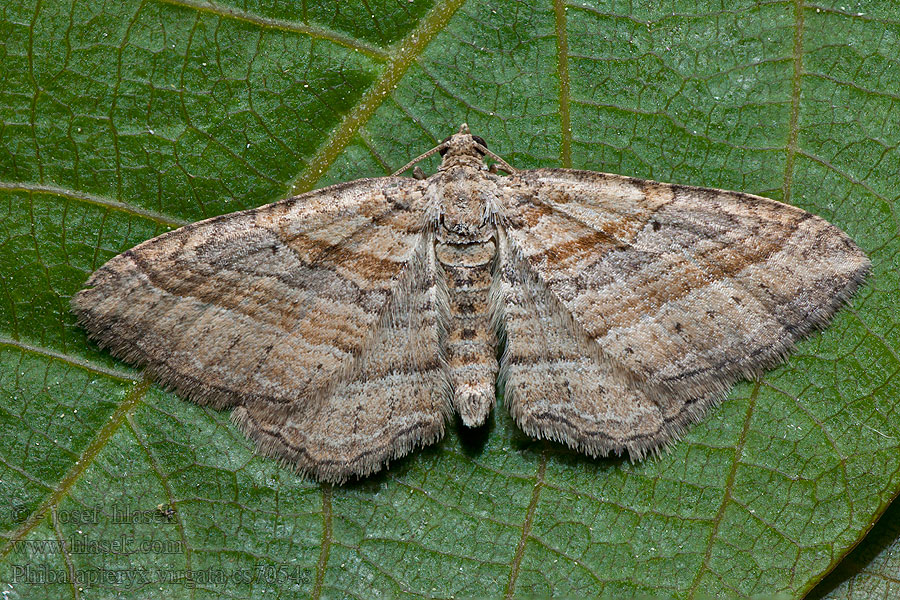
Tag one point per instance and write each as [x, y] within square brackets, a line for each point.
[346, 326]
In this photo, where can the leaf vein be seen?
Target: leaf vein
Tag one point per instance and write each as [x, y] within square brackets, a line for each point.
[317, 31]
[562, 63]
[71, 360]
[726, 495]
[130, 402]
[526, 527]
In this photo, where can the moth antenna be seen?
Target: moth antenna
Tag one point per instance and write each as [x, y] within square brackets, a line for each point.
[437, 148]
[505, 166]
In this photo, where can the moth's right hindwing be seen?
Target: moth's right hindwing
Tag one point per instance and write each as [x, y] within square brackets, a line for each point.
[557, 384]
[681, 290]
[269, 308]
[395, 396]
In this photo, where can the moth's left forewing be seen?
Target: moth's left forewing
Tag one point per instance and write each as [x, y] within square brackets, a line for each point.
[684, 289]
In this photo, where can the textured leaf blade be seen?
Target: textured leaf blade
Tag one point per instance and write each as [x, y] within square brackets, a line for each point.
[119, 122]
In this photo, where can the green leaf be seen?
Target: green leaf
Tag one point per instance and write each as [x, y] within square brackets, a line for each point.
[120, 120]
[870, 570]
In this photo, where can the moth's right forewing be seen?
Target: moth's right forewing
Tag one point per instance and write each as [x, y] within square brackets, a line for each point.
[270, 304]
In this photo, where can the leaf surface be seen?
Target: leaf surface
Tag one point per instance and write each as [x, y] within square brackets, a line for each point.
[121, 120]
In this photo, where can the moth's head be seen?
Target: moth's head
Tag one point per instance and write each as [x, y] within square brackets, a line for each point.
[463, 148]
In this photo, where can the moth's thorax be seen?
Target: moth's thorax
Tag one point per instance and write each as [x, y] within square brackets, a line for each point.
[465, 198]
[464, 160]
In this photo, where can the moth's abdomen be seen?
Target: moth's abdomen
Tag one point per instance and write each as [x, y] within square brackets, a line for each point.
[471, 340]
